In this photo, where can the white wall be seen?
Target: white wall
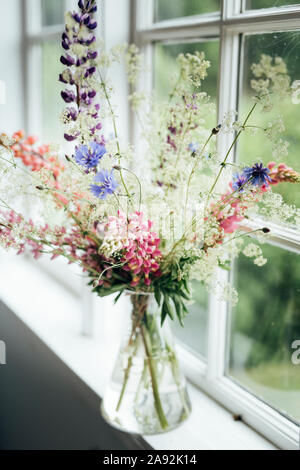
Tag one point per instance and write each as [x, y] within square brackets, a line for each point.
[11, 66]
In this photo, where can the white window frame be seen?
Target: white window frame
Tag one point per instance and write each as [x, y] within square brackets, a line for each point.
[34, 35]
[227, 26]
[232, 21]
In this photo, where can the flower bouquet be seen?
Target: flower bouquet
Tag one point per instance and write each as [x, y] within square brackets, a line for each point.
[144, 230]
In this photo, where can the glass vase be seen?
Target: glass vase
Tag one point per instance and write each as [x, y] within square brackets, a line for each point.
[147, 392]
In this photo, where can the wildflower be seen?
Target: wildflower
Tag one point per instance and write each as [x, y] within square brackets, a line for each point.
[138, 244]
[89, 156]
[78, 42]
[231, 223]
[257, 174]
[252, 251]
[239, 182]
[68, 96]
[193, 67]
[70, 137]
[193, 147]
[260, 261]
[107, 185]
[282, 174]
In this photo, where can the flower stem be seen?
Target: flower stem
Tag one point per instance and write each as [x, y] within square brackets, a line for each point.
[126, 377]
[139, 309]
[157, 402]
[175, 372]
[229, 151]
[115, 130]
[192, 173]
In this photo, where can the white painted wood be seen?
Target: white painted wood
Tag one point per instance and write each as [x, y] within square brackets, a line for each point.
[55, 318]
[232, 21]
[228, 25]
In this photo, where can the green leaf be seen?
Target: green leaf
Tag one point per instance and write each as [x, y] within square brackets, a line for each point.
[184, 281]
[164, 312]
[103, 292]
[157, 295]
[178, 307]
[169, 307]
[184, 308]
[117, 276]
[118, 296]
[184, 295]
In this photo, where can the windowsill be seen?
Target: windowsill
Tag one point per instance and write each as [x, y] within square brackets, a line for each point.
[54, 315]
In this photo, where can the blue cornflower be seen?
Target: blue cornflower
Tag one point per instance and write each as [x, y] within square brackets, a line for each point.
[193, 147]
[239, 182]
[257, 174]
[89, 155]
[107, 184]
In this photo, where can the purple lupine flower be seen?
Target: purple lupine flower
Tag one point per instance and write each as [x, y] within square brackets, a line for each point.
[92, 55]
[76, 17]
[66, 41]
[106, 184]
[72, 113]
[89, 156]
[62, 79]
[257, 174]
[68, 96]
[70, 138]
[98, 127]
[67, 60]
[86, 18]
[92, 93]
[83, 33]
[67, 77]
[92, 25]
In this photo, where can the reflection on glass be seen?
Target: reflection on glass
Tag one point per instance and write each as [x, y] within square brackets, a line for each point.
[52, 12]
[256, 4]
[165, 67]
[52, 104]
[168, 9]
[195, 331]
[265, 324]
[287, 46]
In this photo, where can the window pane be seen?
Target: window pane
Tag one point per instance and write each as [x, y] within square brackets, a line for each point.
[165, 67]
[167, 9]
[52, 12]
[195, 331]
[256, 4]
[287, 46]
[265, 324]
[52, 104]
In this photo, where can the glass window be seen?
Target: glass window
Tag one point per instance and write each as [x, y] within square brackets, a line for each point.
[168, 9]
[194, 333]
[256, 4]
[287, 46]
[52, 104]
[52, 12]
[265, 324]
[165, 67]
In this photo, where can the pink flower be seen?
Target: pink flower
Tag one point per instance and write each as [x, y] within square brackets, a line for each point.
[139, 246]
[231, 224]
